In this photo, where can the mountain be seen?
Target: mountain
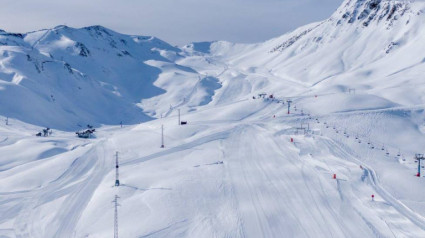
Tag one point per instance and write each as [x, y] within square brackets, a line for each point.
[66, 78]
[70, 75]
[371, 45]
[333, 148]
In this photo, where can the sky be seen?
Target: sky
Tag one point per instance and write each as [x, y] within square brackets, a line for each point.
[176, 21]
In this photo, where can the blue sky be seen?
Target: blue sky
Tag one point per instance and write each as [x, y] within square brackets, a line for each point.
[176, 21]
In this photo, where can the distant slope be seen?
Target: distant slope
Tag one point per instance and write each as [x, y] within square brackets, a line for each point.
[65, 78]
[374, 46]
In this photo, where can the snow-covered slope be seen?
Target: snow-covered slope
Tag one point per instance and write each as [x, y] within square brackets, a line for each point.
[371, 45]
[241, 167]
[65, 77]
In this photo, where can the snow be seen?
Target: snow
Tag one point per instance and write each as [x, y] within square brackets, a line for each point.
[232, 171]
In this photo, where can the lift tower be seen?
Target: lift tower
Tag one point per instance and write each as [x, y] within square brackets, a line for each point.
[117, 180]
[419, 157]
[179, 117]
[162, 136]
[289, 105]
[116, 216]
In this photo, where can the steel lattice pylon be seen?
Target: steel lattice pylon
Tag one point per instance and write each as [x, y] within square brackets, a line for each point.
[116, 217]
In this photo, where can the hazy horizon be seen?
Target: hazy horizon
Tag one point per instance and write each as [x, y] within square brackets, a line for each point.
[179, 23]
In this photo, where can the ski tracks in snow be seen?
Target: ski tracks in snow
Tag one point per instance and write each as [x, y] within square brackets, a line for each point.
[400, 220]
[73, 189]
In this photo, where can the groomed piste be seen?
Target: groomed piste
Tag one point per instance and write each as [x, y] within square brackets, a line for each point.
[340, 161]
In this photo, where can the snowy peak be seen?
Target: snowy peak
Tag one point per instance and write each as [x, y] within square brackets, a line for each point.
[367, 11]
[73, 73]
[88, 39]
[357, 15]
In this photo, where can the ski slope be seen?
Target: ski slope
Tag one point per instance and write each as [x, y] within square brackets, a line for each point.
[241, 167]
[231, 172]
